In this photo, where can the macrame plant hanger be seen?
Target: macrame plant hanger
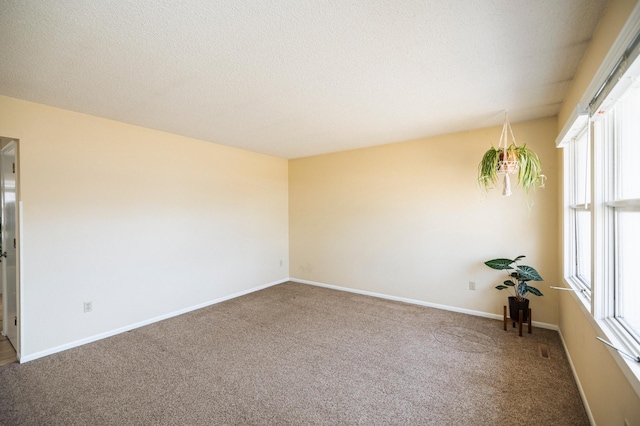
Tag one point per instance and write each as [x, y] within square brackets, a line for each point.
[508, 163]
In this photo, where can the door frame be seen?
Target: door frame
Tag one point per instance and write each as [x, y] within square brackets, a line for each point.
[5, 145]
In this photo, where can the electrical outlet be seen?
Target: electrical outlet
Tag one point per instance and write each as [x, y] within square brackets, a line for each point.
[472, 285]
[281, 263]
[88, 307]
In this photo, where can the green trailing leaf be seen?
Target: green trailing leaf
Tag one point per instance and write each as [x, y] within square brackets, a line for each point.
[509, 283]
[529, 171]
[488, 169]
[528, 273]
[501, 287]
[499, 263]
[519, 257]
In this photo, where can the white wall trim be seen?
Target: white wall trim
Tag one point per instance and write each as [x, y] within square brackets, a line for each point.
[419, 302]
[130, 327]
[585, 402]
[575, 123]
[20, 277]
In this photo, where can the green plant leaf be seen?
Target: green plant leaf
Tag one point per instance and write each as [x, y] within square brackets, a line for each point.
[534, 291]
[522, 289]
[529, 273]
[529, 172]
[509, 283]
[519, 257]
[487, 169]
[499, 263]
[501, 287]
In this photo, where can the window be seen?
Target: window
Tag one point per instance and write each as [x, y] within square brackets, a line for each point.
[579, 206]
[602, 203]
[619, 132]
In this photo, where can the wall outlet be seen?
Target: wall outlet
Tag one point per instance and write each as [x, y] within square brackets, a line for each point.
[472, 285]
[88, 307]
[281, 263]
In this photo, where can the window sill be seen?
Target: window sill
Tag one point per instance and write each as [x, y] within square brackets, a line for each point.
[611, 331]
[582, 294]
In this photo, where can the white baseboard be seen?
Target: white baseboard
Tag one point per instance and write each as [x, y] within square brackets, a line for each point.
[583, 396]
[31, 357]
[130, 327]
[419, 302]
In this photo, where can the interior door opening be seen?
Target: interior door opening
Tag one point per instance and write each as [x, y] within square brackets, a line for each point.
[9, 242]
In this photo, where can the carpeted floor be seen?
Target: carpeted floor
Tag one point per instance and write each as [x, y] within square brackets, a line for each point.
[295, 354]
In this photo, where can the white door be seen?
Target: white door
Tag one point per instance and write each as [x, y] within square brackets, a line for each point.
[9, 243]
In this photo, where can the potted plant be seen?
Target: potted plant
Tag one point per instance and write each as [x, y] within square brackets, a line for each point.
[519, 276]
[511, 160]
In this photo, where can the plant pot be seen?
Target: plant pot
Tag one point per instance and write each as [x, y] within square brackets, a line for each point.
[516, 305]
[510, 164]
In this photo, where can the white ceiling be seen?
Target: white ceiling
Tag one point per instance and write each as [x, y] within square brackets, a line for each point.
[293, 78]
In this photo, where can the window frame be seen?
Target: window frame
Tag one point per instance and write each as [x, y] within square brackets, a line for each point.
[574, 270]
[599, 304]
[579, 127]
[602, 303]
[614, 204]
[624, 50]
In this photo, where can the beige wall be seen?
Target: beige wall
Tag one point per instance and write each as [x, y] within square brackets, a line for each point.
[609, 394]
[409, 220]
[142, 223]
[145, 223]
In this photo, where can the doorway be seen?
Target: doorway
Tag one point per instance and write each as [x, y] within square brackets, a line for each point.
[9, 248]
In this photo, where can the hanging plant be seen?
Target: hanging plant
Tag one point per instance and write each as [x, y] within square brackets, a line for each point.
[510, 159]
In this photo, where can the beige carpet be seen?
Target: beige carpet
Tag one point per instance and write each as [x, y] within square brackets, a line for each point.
[295, 354]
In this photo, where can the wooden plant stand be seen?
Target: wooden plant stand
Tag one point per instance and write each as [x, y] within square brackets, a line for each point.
[520, 315]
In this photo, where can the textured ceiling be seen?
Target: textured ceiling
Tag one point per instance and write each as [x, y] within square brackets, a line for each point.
[297, 78]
